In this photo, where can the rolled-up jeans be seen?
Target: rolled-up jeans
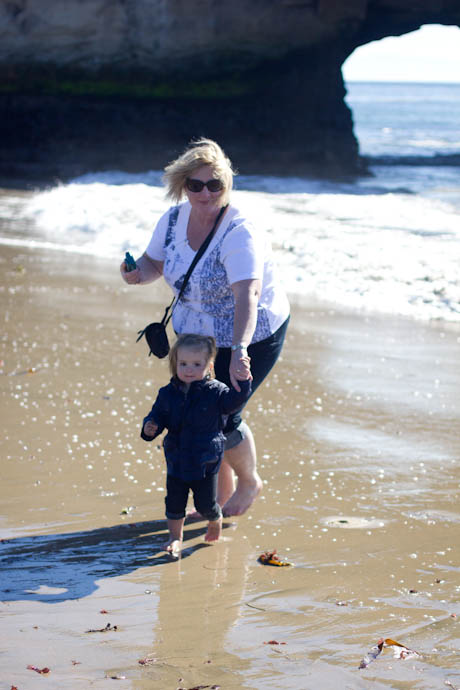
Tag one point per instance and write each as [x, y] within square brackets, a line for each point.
[204, 497]
[264, 355]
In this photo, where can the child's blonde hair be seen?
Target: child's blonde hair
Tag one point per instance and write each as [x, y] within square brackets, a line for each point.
[203, 343]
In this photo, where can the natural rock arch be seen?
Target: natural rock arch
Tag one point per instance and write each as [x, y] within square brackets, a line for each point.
[126, 83]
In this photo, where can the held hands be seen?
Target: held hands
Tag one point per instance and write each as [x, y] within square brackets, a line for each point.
[240, 368]
[150, 429]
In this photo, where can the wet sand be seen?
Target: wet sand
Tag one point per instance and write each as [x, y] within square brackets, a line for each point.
[358, 440]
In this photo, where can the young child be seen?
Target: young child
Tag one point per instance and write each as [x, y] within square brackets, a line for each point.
[193, 408]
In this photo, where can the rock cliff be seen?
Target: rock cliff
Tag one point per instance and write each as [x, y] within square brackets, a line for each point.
[127, 83]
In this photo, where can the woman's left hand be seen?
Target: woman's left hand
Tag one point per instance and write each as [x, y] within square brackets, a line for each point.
[240, 368]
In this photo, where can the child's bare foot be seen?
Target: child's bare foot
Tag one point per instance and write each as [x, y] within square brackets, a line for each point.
[173, 547]
[214, 530]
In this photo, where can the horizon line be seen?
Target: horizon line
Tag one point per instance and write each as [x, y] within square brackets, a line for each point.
[400, 81]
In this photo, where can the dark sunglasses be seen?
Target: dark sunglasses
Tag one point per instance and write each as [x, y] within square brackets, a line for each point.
[198, 186]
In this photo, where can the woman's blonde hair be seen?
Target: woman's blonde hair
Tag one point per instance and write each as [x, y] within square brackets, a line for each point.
[203, 343]
[198, 153]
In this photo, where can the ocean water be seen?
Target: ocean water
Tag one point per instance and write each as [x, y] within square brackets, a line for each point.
[389, 242]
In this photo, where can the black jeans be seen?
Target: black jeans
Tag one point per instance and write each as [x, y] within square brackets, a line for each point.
[204, 497]
[263, 358]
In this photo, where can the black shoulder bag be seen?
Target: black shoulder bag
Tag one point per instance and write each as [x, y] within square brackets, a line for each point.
[155, 333]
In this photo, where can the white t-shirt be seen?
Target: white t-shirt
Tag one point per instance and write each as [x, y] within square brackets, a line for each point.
[238, 251]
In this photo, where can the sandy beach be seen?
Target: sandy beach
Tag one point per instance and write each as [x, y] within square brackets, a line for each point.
[357, 432]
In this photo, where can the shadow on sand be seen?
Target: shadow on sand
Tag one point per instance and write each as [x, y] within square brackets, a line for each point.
[32, 567]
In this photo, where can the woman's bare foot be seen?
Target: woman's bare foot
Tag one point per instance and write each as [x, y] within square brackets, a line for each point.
[244, 496]
[214, 530]
[173, 547]
[194, 515]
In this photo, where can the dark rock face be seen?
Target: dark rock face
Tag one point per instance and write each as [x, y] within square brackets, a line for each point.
[98, 84]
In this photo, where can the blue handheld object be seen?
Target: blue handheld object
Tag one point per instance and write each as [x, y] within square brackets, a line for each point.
[130, 263]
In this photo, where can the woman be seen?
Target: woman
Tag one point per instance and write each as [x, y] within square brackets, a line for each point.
[233, 294]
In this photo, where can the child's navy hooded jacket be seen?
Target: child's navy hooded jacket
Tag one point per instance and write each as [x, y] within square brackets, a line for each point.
[194, 444]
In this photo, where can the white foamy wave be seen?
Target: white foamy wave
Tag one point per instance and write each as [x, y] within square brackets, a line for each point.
[349, 244]
[393, 253]
[104, 218]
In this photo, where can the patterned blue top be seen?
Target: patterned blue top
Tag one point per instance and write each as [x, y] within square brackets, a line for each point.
[238, 251]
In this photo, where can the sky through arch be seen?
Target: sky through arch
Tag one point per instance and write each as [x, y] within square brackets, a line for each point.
[430, 54]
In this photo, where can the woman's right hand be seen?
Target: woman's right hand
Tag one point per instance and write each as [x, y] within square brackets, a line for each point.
[147, 271]
[130, 277]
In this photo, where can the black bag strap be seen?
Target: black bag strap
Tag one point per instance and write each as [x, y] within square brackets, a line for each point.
[165, 320]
